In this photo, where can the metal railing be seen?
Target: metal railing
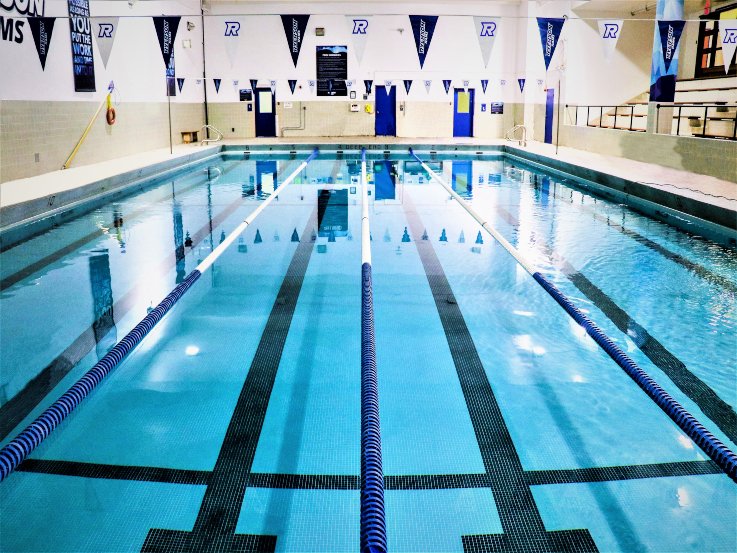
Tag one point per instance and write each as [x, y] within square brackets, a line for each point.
[629, 110]
[218, 139]
[721, 112]
[522, 141]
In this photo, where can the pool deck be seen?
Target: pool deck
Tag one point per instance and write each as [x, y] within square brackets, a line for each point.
[698, 187]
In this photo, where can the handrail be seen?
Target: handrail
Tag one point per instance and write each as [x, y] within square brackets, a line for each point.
[712, 446]
[706, 118]
[14, 453]
[522, 141]
[218, 139]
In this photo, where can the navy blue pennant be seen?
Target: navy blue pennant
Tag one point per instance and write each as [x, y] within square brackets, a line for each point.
[180, 82]
[368, 86]
[166, 30]
[407, 84]
[217, 84]
[423, 27]
[550, 29]
[295, 27]
[670, 35]
[521, 85]
[254, 82]
[292, 84]
[41, 29]
[484, 84]
[446, 84]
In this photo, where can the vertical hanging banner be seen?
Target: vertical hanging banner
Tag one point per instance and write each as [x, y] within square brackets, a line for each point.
[217, 84]
[484, 84]
[368, 84]
[294, 28]
[105, 29]
[550, 29]
[609, 30]
[166, 30]
[662, 72]
[292, 84]
[80, 30]
[670, 35]
[428, 84]
[446, 84]
[423, 27]
[407, 85]
[728, 34]
[171, 87]
[521, 85]
[486, 33]
[231, 29]
[180, 82]
[41, 29]
[359, 26]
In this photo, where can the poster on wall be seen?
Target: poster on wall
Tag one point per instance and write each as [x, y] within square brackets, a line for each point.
[80, 30]
[105, 29]
[423, 27]
[41, 29]
[294, 28]
[332, 70]
[359, 26]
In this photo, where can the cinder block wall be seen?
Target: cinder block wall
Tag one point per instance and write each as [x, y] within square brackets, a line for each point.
[52, 129]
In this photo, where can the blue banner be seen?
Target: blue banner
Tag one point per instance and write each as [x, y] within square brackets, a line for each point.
[292, 84]
[407, 85]
[368, 86]
[521, 85]
[484, 84]
[550, 29]
[423, 27]
[217, 84]
[41, 29]
[294, 28]
[670, 35]
[663, 72]
[446, 84]
[180, 82]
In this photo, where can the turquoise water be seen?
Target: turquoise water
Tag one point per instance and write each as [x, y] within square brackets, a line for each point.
[150, 448]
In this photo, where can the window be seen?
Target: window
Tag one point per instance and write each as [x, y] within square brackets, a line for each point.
[709, 59]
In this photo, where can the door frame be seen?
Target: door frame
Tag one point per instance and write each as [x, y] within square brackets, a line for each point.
[272, 123]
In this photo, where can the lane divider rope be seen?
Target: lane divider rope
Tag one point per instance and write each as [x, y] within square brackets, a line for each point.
[710, 444]
[373, 523]
[21, 447]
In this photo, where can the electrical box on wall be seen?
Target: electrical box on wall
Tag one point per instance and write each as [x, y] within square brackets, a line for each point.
[354, 107]
[319, 31]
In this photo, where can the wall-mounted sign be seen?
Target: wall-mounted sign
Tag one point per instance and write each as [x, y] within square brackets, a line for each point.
[245, 95]
[332, 70]
[80, 30]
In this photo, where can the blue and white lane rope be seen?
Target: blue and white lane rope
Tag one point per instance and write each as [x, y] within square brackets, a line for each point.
[21, 447]
[711, 445]
[373, 523]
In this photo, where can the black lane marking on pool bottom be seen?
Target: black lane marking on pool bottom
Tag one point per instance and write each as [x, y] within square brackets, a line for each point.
[524, 530]
[21, 404]
[214, 529]
[713, 406]
[351, 482]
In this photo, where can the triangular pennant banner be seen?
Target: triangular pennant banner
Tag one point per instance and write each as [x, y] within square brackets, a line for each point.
[217, 84]
[484, 84]
[550, 28]
[670, 35]
[41, 29]
[349, 84]
[387, 85]
[466, 85]
[254, 84]
[486, 33]
[446, 84]
[427, 86]
[312, 86]
[294, 28]
[166, 29]
[104, 30]
[273, 86]
[407, 85]
[292, 84]
[609, 30]
[423, 27]
[359, 26]
[521, 85]
[231, 29]
[368, 86]
[180, 82]
[728, 33]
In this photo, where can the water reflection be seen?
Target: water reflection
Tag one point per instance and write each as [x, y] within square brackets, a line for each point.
[103, 327]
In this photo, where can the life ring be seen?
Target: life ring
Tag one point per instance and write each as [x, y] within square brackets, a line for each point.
[110, 116]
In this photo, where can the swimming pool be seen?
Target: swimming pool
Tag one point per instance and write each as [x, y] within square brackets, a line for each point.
[236, 423]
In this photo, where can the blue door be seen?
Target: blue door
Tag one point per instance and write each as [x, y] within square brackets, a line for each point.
[265, 112]
[386, 111]
[463, 113]
[549, 107]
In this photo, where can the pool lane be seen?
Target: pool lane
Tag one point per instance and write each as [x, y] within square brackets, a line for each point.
[98, 285]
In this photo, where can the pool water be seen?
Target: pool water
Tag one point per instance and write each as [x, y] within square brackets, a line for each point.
[236, 424]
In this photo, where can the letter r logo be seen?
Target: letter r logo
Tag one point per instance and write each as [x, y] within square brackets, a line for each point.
[730, 37]
[610, 30]
[360, 26]
[488, 28]
[232, 28]
[106, 30]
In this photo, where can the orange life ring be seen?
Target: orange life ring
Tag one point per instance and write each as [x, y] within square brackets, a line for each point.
[110, 116]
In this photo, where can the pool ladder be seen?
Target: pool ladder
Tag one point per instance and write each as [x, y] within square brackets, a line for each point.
[523, 140]
[218, 139]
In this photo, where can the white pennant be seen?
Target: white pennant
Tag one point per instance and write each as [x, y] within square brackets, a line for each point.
[427, 86]
[609, 30]
[232, 28]
[486, 29]
[105, 29]
[349, 84]
[728, 34]
[273, 86]
[387, 85]
[359, 26]
[312, 86]
[465, 85]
